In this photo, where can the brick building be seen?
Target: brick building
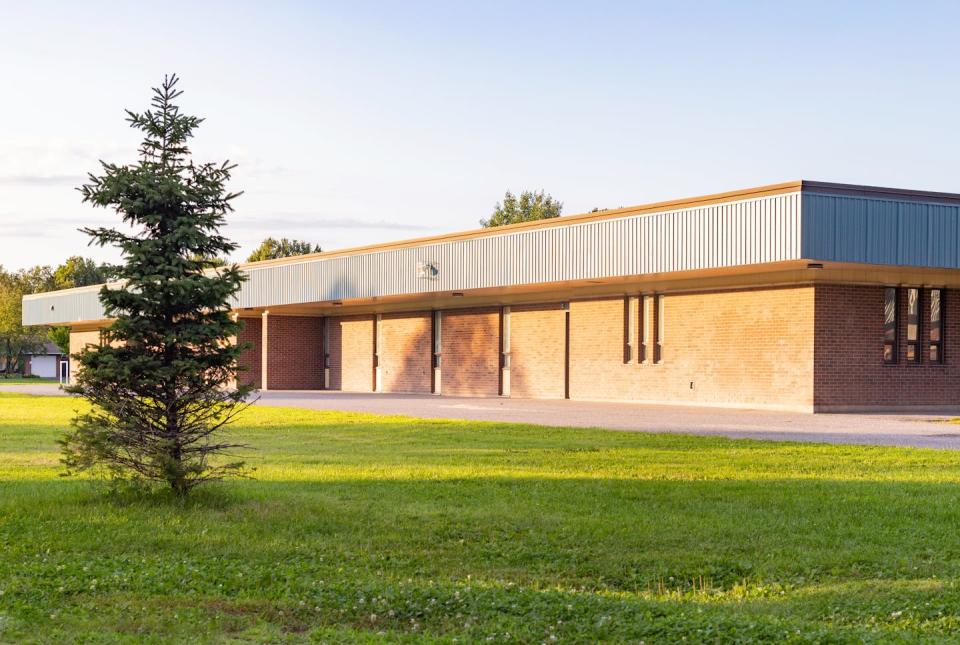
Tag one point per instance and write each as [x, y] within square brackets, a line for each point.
[802, 296]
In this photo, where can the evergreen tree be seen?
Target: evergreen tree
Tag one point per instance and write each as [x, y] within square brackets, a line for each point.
[163, 383]
[529, 207]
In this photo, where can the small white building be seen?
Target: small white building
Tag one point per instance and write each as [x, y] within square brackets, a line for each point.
[43, 363]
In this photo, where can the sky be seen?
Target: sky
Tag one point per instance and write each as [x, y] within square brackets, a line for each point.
[361, 122]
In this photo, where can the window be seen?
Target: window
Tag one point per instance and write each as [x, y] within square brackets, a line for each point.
[913, 325]
[936, 326]
[658, 328]
[644, 328]
[629, 328]
[890, 325]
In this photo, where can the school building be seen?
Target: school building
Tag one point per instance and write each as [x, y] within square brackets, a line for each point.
[804, 296]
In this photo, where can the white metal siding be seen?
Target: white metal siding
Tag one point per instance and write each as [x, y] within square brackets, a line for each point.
[729, 234]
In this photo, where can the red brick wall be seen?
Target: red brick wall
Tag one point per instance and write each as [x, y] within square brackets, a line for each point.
[849, 369]
[470, 347]
[351, 353]
[748, 347]
[250, 358]
[405, 354]
[537, 351]
[295, 353]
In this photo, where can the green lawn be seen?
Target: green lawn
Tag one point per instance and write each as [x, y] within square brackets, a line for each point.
[363, 528]
[18, 380]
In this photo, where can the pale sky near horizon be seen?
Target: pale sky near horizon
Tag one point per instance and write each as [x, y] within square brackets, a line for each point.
[355, 122]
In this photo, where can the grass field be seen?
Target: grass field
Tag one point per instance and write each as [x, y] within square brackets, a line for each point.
[362, 528]
[15, 380]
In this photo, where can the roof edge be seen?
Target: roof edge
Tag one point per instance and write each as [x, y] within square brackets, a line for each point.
[878, 192]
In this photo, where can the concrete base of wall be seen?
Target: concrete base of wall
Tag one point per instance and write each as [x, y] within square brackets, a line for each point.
[938, 410]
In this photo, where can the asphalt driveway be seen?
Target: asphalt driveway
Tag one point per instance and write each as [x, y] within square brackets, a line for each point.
[919, 430]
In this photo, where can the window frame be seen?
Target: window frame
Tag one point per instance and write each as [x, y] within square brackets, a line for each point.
[630, 304]
[658, 328]
[891, 357]
[935, 348]
[643, 355]
[914, 319]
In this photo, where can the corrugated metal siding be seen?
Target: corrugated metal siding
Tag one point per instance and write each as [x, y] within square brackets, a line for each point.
[58, 307]
[719, 235]
[880, 231]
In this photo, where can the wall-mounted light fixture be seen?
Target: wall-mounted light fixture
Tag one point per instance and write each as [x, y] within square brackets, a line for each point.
[814, 265]
[457, 294]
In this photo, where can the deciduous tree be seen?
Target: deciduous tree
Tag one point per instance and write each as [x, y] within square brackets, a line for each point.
[15, 338]
[529, 207]
[271, 249]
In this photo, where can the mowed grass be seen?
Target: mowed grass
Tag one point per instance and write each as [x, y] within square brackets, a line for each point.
[365, 528]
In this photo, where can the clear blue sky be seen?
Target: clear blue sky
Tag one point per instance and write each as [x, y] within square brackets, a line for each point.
[362, 122]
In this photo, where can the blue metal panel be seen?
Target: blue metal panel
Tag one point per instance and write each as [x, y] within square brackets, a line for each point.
[880, 231]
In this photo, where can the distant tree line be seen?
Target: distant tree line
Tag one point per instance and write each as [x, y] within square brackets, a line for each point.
[17, 340]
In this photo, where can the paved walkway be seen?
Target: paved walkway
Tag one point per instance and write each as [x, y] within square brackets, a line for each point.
[898, 429]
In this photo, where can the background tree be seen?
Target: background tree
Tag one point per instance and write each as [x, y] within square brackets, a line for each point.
[162, 385]
[15, 339]
[78, 271]
[271, 249]
[531, 206]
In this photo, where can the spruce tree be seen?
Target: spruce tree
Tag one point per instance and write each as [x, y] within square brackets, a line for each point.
[163, 383]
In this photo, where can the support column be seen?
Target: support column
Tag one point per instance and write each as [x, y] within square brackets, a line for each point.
[505, 351]
[436, 359]
[377, 350]
[264, 343]
[326, 352]
[233, 340]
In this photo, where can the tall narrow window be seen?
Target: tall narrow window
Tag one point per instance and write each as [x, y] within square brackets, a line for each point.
[936, 326]
[644, 328]
[890, 325]
[629, 328]
[436, 339]
[658, 328]
[377, 339]
[913, 325]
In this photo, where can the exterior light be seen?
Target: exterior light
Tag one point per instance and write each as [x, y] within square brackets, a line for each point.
[337, 304]
[457, 294]
[815, 265]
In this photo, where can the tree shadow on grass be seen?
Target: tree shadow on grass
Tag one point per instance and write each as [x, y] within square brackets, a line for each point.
[214, 496]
